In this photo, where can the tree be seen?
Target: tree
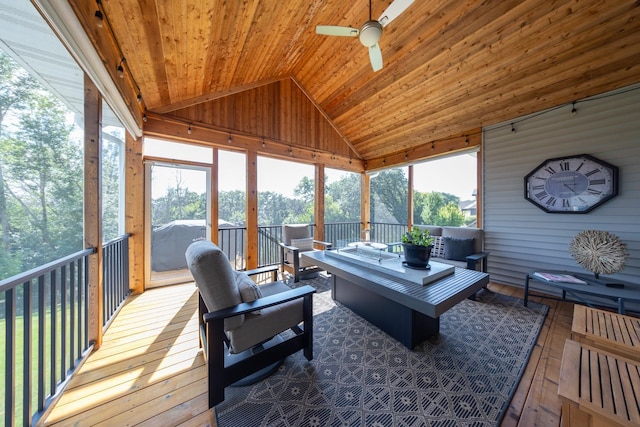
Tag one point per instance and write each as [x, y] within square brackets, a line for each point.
[389, 197]
[43, 182]
[450, 214]
[16, 88]
[430, 204]
[305, 190]
[342, 200]
[113, 143]
[232, 206]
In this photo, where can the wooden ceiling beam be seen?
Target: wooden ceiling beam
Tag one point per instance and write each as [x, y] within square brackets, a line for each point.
[468, 141]
[171, 128]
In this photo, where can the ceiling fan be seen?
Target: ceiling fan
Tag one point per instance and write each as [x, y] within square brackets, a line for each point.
[370, 32]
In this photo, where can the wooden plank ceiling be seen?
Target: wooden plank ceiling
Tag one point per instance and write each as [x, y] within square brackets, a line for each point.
[449, 65]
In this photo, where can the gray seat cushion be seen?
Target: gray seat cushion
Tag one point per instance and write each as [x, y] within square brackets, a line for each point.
[270, 322]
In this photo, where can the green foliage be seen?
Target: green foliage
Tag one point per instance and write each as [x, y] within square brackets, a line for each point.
[275, 209]
[450, 214]
[390, 197]
[112, 144]
[342, 200]
[305, 190]
[41, 173]
[232, 206]
[430, 207]
[417, 236]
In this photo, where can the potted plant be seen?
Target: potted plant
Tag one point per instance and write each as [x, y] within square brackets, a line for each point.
[417, 244]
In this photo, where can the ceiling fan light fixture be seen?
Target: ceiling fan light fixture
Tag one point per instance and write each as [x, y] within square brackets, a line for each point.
[370, 33]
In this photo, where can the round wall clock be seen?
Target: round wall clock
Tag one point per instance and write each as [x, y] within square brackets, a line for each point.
[573, 184]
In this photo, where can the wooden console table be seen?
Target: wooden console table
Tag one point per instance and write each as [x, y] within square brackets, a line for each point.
[592, 288]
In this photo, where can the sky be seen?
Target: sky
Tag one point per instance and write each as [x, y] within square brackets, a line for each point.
[433, 175]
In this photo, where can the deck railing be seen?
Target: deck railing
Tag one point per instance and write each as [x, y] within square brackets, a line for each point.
[232, 240]
[339, 234]
[115, 277]
[387, 232]
[44, 321]
[269, 237]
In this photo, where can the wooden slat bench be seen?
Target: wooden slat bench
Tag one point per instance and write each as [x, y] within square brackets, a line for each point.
[598, 388]
[609, 331]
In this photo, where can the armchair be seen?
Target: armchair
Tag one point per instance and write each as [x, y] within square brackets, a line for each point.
[240, 322]
[296, 239]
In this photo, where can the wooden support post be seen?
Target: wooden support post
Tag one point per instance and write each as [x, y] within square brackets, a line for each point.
[134, 208]
[252, 210]
[365, 210]
[93, 205]
[318, 207]
[410, 196]
[479, 183]
[214, 215]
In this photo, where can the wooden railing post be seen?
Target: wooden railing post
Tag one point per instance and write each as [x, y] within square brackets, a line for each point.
[318, 207]
[252, 210]
[93, 204]
[365, 211]
[134, 218]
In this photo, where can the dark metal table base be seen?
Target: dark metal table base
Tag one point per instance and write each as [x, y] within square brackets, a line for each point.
[408, 326]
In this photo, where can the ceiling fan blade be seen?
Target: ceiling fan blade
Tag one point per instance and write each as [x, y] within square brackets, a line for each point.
[334, 30]
[393, 11]
[375, 55]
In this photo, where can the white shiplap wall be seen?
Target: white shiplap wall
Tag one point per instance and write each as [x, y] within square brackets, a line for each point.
[522, 237]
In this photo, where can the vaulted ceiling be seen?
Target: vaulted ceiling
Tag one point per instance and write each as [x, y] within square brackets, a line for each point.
[449, 65]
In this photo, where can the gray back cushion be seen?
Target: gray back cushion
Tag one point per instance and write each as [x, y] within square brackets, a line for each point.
[466, 233]
[294, 231]
[214, 277]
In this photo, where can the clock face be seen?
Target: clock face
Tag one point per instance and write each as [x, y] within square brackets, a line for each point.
[575, 184]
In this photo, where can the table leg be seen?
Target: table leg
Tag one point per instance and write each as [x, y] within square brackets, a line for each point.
[526, 290]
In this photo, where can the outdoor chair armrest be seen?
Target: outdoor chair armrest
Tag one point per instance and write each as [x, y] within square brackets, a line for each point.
[289, 247]
[474, 259]
[392, 246]
[260, 303]
[327, 245]
[273, 269]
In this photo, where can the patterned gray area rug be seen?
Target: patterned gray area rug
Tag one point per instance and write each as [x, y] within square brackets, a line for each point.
[362, 377]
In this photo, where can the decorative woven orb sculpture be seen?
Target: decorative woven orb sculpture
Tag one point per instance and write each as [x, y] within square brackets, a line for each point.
[599, 251]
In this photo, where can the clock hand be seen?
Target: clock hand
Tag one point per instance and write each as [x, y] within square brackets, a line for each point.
[573, 190]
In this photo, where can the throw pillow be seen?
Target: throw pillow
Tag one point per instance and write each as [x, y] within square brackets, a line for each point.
[457, 249]
[303, 244]
[249, 291]
[438, 247]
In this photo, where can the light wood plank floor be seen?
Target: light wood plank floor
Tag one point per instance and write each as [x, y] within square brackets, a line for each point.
[150, 370]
